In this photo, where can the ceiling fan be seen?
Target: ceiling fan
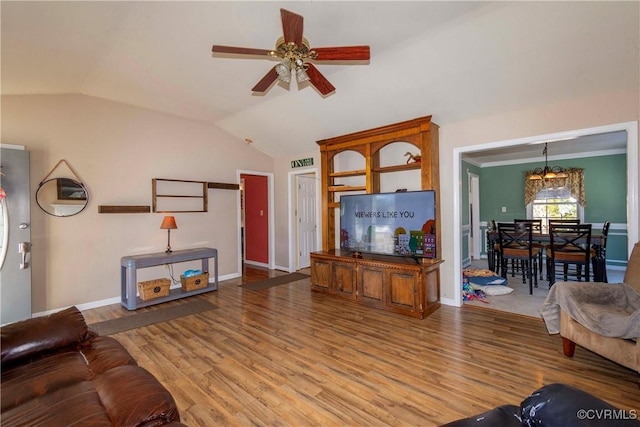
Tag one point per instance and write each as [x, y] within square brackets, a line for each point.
[294, 53]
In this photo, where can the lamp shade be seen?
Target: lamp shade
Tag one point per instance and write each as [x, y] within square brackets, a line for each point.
[169, 223]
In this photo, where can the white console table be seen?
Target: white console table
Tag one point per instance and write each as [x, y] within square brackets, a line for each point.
[129, 265]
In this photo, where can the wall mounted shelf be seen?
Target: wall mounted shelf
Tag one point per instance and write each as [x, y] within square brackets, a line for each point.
[173, 195]
[223, 186]
[114, 209]
[178, 195]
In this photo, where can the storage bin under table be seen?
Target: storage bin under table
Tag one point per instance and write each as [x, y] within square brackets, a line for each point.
[128, 274]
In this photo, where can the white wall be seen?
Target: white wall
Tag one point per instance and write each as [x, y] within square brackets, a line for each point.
[116, 150]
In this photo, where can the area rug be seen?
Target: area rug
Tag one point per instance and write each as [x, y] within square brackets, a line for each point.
[274, 281]
[138, 320]
[519, 301]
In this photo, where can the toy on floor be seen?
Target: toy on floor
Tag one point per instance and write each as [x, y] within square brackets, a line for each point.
[470, 294]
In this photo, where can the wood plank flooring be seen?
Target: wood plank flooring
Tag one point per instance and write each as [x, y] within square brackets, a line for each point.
[286, 356]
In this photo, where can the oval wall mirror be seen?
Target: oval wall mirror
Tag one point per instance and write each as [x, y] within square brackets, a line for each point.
[62, 197]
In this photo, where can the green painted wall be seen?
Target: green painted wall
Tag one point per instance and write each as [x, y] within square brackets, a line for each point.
[503, 186]
[605, 187]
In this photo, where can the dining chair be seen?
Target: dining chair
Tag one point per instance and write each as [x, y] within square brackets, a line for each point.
[569, 245]
[496, 257]
[603, 249]
[493, 227]
[558, 221]
[536, 224]
[516, 245]
[562, 221]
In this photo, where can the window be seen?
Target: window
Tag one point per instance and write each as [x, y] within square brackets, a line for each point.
[554, 203]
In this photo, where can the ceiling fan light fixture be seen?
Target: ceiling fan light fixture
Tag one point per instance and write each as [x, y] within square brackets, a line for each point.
[293, 51]
[301, 76]
[284, 71]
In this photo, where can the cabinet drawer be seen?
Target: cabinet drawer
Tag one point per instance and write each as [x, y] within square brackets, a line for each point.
[344, 278]
[403, 289]
[321, 273]
[371, 285]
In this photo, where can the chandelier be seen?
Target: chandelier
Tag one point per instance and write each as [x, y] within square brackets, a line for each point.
[547, 173]
[293, 58]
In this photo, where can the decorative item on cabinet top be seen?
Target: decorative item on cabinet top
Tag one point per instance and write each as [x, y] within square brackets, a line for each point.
[203, 185]
[413, 158]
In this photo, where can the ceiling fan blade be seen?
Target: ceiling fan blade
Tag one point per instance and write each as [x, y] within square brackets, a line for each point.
[266, 81]
[291, 27]
[344, 53]
[239, 50]
[319, 81]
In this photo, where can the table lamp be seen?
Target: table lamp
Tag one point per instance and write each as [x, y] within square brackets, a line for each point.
[168, 223]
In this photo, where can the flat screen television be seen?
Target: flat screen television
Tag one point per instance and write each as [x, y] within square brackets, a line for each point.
[401, 223]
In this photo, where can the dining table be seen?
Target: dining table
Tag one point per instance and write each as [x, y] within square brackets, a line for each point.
[597, 242]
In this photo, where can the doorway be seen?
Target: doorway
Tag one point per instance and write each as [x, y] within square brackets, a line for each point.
[306, 224]
[304, 214]
[631, 129]
[256, 220]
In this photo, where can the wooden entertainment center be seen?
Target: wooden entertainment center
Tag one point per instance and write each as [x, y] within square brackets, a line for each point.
[405, 285]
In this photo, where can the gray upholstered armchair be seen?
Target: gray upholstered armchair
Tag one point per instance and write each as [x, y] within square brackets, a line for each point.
[601, 317]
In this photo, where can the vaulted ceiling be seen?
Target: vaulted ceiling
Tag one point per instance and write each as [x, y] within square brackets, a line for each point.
[453, 60]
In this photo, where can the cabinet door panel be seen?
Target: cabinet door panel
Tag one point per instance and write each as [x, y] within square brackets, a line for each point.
[432, 279]
[344, 277]
[371, 285]
[321, 273]
[402, 289]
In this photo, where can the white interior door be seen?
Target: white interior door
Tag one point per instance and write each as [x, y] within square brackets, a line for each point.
[306, 218]
[15, 270]
[474, 217]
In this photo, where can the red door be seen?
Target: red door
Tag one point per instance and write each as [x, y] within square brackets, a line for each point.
[256, 218]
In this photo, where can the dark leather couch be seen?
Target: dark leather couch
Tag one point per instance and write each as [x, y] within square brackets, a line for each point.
[56, 372]
[555, 405]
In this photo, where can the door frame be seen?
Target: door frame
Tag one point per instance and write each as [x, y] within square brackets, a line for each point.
[474, 214]
[271, 226]
[632, 186]
[291, 207]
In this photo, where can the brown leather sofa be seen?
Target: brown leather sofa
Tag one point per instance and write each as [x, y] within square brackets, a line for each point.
[57, 372]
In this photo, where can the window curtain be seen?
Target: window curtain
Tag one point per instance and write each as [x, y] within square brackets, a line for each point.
[574, 182]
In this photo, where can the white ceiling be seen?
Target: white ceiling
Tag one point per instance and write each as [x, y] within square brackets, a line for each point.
[584, 146]
[454, 60]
